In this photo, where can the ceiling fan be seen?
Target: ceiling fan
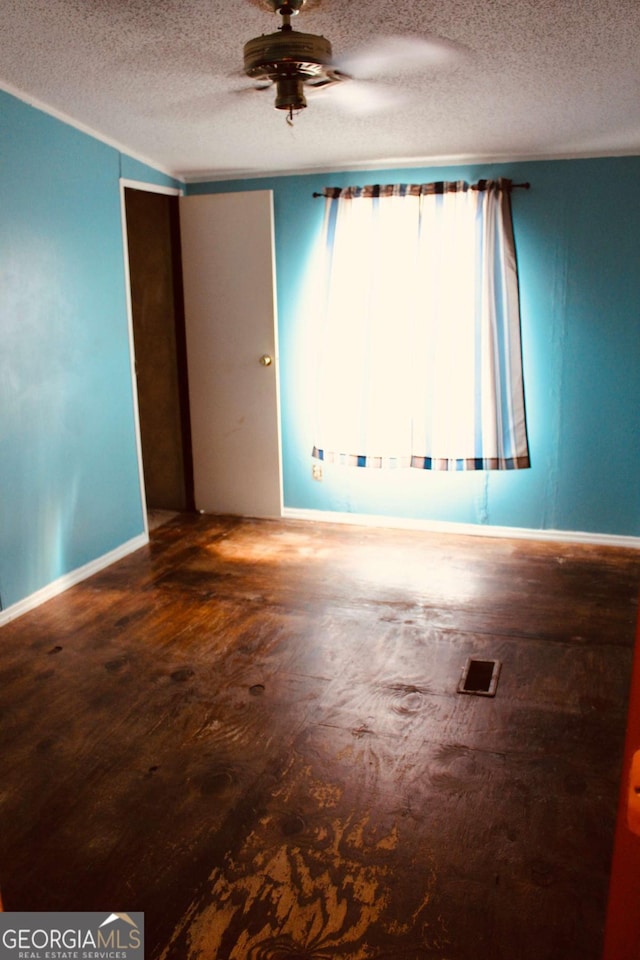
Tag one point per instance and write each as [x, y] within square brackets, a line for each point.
[296, 62]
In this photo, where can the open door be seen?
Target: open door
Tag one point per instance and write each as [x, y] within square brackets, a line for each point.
[218, 440]
[232, 357]
[622, 936]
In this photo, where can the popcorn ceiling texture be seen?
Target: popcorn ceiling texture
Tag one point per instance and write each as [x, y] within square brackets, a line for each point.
[526, 79]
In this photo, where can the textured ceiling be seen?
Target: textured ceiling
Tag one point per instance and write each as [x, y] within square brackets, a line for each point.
[163, 79]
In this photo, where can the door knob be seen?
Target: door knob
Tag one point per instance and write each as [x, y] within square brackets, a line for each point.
[266, 360]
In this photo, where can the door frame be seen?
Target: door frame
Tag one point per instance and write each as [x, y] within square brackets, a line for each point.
[167, 191]
[622, 930]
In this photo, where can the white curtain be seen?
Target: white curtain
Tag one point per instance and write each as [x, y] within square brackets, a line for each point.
[419, 354]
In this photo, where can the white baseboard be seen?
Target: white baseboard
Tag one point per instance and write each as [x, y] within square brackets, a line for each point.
[71, 579]
[468, 529]
[326, 516]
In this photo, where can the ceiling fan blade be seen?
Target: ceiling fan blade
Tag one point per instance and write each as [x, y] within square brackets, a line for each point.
[357, 97]
[256, 87]
[397, 55]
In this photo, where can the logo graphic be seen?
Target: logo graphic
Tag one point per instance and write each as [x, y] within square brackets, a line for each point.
[71, 936]
[119, 916]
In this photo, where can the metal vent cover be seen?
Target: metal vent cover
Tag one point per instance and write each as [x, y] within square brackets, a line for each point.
[480, 677]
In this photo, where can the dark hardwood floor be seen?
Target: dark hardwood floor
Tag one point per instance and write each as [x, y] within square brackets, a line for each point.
[251, 731]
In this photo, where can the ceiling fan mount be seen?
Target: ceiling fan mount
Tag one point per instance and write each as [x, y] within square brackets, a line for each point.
[285, 7]
[290, 59]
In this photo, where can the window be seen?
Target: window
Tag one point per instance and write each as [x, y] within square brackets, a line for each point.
[419, 353]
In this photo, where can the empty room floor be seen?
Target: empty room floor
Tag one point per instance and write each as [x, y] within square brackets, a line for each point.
[252, 732]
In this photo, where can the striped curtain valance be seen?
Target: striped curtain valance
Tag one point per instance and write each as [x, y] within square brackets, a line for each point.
[413, 189]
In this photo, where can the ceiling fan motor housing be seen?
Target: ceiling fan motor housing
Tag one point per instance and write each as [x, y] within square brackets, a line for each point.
[292, 52]
[290, 59]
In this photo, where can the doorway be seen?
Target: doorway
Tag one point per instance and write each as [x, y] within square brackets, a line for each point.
[159, 340]
[204, 349]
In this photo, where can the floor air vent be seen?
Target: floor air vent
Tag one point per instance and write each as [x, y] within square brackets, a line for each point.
[480, 677]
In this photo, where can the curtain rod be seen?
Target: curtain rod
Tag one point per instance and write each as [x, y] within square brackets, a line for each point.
[474, 186]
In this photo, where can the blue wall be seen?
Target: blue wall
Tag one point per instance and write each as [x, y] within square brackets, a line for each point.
[578, 241]
[69, 487]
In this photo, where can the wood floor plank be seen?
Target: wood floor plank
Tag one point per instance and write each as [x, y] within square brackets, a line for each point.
[251, 731]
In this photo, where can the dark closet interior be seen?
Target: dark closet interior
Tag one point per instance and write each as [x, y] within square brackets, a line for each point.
[153, 237]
